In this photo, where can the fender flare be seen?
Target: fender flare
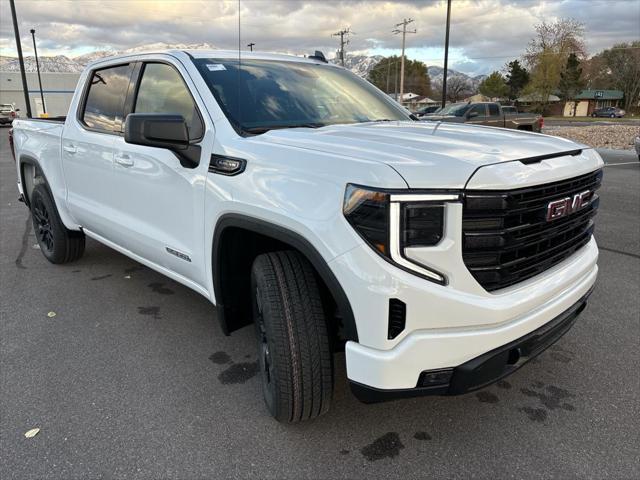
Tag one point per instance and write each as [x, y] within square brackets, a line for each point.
[27, 159]
[298, 242]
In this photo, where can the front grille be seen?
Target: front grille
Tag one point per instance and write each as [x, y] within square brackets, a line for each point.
[506, 235]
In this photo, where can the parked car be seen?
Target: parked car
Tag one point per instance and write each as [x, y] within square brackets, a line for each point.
[487, 113]
[8, 112]
[299, 198]
[426, 110]
[611, 112]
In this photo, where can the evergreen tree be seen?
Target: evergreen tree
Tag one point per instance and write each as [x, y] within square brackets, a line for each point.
[571, 78]
[386, 73]
[494, 86]
[517, 79]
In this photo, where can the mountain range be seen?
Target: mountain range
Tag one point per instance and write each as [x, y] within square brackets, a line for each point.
[359, 64]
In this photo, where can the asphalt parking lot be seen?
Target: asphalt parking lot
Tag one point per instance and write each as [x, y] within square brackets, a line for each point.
[132, 378]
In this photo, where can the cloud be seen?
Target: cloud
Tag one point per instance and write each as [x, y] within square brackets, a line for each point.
[485, 34]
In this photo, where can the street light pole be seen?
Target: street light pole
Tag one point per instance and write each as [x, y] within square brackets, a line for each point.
[25, 89]
[35, 51]
[446, 55]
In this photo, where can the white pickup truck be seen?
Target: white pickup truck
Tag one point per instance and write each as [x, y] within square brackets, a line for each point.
[296, 196]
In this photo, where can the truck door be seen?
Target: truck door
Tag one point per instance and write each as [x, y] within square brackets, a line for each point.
[477, 114]
[160, 202]
[88, 147]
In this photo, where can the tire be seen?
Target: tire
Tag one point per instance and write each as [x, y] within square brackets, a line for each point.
[612, 115]
[593, 115]
[294, 355]
[57, 243]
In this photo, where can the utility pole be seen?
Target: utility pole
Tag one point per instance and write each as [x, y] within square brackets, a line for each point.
[342, 33]
[251, 45]
[404, 32]
[25, 89]
[446, 55]
[35, 51]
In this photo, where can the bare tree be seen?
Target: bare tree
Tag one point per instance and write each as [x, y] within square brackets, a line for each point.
[617, 67]
[457, 89]
[548, 52]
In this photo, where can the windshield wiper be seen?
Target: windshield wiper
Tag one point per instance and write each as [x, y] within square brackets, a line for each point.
[266, 128]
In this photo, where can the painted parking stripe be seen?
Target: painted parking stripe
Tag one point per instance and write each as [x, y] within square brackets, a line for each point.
[625, 163]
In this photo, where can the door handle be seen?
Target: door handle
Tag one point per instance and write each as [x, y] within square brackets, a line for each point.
[70, 148]
[124, 160]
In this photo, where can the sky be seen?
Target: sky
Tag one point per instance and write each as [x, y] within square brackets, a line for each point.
[485, 34]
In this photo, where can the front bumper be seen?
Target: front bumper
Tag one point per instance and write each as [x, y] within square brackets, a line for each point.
[445, 327]
[484, 369]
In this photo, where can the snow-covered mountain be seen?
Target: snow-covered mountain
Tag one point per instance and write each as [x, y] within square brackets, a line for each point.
[437, 73]
[59, 63]
[359, 64]
[64, 64]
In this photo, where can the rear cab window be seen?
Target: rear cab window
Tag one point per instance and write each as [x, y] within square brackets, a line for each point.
[494, 111]
[105, 96]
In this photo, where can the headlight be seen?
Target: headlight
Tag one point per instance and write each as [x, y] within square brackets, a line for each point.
[390, 222]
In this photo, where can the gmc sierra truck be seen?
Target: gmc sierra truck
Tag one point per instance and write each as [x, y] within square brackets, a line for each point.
[297, 197]
[490, 114]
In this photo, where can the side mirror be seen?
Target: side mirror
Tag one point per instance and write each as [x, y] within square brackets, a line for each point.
[156, 130]
[162, 131]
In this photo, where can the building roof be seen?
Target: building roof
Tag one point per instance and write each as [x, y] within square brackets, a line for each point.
[600, 95]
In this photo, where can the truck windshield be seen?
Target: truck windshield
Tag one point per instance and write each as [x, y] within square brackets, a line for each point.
[455, 109]
[261, 95]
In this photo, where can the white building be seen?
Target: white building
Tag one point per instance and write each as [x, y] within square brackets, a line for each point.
[58, 90]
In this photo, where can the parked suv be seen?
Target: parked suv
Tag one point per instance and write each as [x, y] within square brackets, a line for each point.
[612, 112]
[299, 199]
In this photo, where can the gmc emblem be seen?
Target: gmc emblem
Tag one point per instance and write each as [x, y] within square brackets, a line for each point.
[567, 206]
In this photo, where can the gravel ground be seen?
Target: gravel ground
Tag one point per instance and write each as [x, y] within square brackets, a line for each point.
[598, 136]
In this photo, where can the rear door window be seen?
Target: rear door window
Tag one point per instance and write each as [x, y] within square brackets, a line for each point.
[494, 111]
[479, 109]
[162, 90]
[104, 103]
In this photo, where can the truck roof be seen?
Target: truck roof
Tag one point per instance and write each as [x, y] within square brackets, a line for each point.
[222, 54]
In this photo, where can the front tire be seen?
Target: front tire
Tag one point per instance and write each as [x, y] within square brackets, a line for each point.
[57, 243]
[294, 355]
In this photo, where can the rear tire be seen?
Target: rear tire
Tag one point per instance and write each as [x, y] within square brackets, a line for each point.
[294, 355]
[57, 243]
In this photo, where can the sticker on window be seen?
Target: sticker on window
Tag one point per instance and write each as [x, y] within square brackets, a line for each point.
[215, 67]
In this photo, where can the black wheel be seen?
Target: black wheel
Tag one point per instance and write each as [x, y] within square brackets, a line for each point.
[593, 115]
[612, 115]
[295, 358]
[57, 243]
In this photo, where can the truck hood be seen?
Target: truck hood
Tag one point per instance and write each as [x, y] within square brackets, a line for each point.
[445, 118]
[425, 154]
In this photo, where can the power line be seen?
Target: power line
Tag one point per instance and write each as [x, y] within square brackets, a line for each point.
[342, 34]
[404, 32]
